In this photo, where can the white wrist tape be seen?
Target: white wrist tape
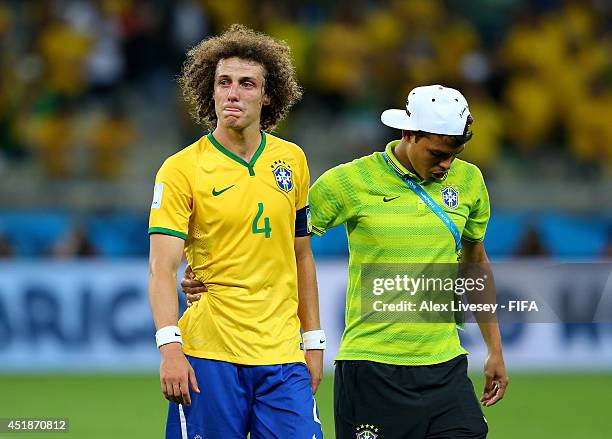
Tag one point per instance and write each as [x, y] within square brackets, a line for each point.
[314, 339]
[168, 334]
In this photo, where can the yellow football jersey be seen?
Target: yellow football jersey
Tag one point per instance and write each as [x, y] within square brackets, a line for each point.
[238, 221]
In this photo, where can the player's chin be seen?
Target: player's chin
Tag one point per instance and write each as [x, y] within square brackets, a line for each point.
[233, 121]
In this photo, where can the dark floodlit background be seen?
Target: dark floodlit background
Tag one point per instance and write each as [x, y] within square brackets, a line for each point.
[89, 109]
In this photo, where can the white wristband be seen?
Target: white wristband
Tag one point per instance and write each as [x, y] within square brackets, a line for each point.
[168, 334]
[314, 339]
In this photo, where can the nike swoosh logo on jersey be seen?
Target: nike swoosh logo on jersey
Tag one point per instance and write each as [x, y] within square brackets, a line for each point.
[385, 199]
[217, 193]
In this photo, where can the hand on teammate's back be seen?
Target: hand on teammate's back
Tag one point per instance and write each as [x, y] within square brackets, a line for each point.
[192, 287]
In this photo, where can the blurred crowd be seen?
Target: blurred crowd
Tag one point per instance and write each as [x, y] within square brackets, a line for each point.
[88, 91]
[61, 234]
[538, 73]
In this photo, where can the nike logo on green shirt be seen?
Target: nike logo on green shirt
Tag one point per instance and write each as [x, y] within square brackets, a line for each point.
[216, 193]
[385, 199]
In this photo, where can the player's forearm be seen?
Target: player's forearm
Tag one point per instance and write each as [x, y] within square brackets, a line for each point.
[308, 306]
[487, 321]
[492, 337]
[162, 297]
[475, 265]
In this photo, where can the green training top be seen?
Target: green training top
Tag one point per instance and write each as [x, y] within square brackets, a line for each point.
[387, 223]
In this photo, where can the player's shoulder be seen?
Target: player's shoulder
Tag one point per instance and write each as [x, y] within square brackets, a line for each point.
[467, 177]
[185, 159]
[467, 170]
[366, 163]
[286, 146]
[185, 154]
[361, 165]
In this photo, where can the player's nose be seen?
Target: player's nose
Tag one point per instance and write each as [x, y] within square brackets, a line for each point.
[446, 164]
[232, 93]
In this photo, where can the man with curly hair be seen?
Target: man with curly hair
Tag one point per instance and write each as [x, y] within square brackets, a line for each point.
[235, 202]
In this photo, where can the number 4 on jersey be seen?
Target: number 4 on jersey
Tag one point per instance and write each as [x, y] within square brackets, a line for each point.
[255, 227]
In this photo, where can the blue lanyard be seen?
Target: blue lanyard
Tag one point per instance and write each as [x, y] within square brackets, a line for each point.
[418, 189]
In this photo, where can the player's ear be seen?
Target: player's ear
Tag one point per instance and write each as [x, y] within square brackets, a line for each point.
[266, 99]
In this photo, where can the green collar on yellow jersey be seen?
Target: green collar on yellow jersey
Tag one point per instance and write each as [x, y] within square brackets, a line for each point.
[395, 163]
[250, 165]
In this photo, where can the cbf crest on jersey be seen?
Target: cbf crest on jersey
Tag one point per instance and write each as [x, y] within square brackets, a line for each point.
[366, 431]
[450, 197]
[283, 175]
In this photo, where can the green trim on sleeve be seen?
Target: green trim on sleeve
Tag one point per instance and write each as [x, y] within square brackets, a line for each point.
[165, 231]
[250, 165]
[317, 230]
[467, 238]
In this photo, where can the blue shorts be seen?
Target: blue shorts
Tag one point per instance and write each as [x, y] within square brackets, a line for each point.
[267, 401]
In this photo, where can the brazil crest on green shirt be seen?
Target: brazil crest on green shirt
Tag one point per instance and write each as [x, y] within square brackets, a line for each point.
[387, 223]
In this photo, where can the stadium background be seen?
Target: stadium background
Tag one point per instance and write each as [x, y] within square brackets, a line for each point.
[89, 109]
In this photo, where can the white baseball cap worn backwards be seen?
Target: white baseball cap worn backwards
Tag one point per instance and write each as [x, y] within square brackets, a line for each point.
[432, 108]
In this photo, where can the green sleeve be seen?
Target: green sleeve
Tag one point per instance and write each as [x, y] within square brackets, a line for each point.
[327, 205]
[480, 212]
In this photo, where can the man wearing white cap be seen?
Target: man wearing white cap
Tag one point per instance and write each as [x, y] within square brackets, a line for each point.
[414, 203]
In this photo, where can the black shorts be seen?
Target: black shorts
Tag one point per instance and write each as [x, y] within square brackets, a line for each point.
[406, 402]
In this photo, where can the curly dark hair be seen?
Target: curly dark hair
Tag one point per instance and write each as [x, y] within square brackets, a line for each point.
[198, 76]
